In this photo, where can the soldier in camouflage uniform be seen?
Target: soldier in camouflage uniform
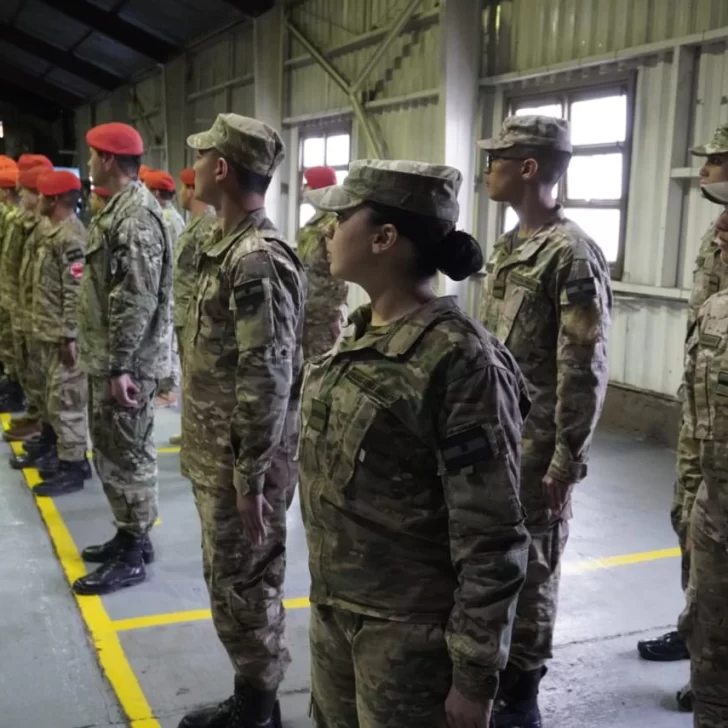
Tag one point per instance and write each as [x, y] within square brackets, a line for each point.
[326, 299]
[408, 463]
[242, 364]
[98, 199]
[161, 185]
[547, 297]
[124, 325]
[703, 459]
[710, 275]
[57, 271]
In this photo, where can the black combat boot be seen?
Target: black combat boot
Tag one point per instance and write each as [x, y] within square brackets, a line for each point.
[12, 398]
[68, 478]
[247, 708]
[519, 707]
[668, 648]
[685, 699]
[40, 453]
[103, 552]
[125, 568]
[46, 473]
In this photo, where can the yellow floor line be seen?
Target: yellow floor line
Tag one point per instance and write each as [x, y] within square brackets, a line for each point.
[111, 656]
[609, 562]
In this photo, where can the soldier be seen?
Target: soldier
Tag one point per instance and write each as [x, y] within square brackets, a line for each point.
[98, 199]
[710, 275]
[703, 459]
[57, 271]
[242, 363]
[124, 320]
[326, 300]
[547, 297]
[408, 464]
[18, 241]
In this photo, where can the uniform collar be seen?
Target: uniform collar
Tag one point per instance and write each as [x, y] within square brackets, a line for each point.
[219, 244]
[526, 249]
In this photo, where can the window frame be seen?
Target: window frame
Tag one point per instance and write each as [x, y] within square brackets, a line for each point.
[565, 95]
[312, 132]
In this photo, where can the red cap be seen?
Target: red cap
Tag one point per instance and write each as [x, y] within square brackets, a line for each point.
[101, 192]
[58, 183]
[187, 177]
[318, 177]
[29, 178]
[7, 162]
[8, 177]
[156, 179]
[116, 138]
[144, 171]
[28, 161]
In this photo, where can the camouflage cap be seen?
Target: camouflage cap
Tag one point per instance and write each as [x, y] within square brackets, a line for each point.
[245, 141]
[717, 145]
[424, 189]
[546, 132]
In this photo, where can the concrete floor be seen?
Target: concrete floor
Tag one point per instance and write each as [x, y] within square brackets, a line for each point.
[596, 678]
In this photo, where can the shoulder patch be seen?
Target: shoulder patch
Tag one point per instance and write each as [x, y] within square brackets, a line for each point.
[467, 448]
[250, 294]
[581, 290]
[75, 255]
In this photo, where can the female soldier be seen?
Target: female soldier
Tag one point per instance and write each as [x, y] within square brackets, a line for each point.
[409, 460]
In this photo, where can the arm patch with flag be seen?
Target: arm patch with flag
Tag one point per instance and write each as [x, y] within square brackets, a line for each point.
[467, 448]
[581, 290]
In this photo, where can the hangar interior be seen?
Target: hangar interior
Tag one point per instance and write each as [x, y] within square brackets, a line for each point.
[641, 82]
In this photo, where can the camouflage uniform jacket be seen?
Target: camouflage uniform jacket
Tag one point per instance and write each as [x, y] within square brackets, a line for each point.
[18, 227]
[26, 287]
[175, 222]
[57, 281]
[326, 294]
[409, 467]
[710, 275]
[705, 415]
[548, 299]
[126, 289]
[186, 251]
[242, 372]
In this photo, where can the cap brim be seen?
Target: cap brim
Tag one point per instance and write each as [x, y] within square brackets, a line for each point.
[491, 144]
[706, 150]
[699, 152]
[203, 140]
[333, 199]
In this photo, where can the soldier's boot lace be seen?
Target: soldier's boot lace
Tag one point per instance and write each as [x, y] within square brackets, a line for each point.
[125, 568]
[518, 708]
[101, 553]
[253, 708]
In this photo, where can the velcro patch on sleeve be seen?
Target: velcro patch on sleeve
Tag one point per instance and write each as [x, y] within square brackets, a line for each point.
[581, 290]
[75, 255]
[466, 448]
[248, 296]
[721, 386]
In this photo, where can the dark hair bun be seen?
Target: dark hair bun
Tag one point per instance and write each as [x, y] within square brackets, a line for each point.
[458, 255]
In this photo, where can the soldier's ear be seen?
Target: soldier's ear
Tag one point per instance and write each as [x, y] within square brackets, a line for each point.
[386, 236]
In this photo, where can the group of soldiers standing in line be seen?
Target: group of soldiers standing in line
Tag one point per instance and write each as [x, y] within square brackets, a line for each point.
[436, 454]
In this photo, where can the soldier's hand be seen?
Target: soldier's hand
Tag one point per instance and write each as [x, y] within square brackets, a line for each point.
[123, 390]
[254, 509]
[464, 713]
[69, 352]
[556, 493]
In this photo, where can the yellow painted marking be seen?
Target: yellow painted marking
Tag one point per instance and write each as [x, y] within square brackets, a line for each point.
[580, 567]
[111, 656]
[5, 420]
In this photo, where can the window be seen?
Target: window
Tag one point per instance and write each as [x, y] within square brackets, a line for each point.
[2, 130]
[329, 148]
[594, 189]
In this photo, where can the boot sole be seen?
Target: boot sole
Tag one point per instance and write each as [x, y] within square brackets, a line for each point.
[100, 591]
[41, 493]
[146, 558]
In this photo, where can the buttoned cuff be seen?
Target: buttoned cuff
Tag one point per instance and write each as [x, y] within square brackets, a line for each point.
[476, 685]
[565, 470]
[246, 485]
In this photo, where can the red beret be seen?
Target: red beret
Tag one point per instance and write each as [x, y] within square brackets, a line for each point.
[116, 138]
[58, 183]
[28, 161]
[318, 177]
[28, 178]
[144, 171]
[8, 177]
[7, 162]
[187, 177]
[156, 179]
[101, 192]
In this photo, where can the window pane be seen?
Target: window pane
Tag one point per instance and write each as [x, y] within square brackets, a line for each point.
[544, 110]
[341, 175]
[510, 219]
[599, 121]
[602, 225]
[305, 213]
[313, 152]
[337, 150]
[597, 177]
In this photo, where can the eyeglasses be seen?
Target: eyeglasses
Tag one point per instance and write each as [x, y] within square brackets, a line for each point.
[492, 157]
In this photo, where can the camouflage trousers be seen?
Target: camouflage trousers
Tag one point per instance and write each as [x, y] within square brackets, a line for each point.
[66, 403]
[125, 456]
[244, 581]
[30, 372]
[171, 382]
[708, 633]
[372, 673]
[7, 347]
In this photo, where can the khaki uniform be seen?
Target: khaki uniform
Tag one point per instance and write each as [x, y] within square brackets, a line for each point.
[705, 420]
[124, 327]
[7, 350]
[58, 266]
[326, 300]
[548, 299]
[242, 362]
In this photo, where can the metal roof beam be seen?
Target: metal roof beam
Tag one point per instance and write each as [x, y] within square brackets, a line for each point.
[111, 25]
[21, 98]
[59, 58]
[18, 77]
